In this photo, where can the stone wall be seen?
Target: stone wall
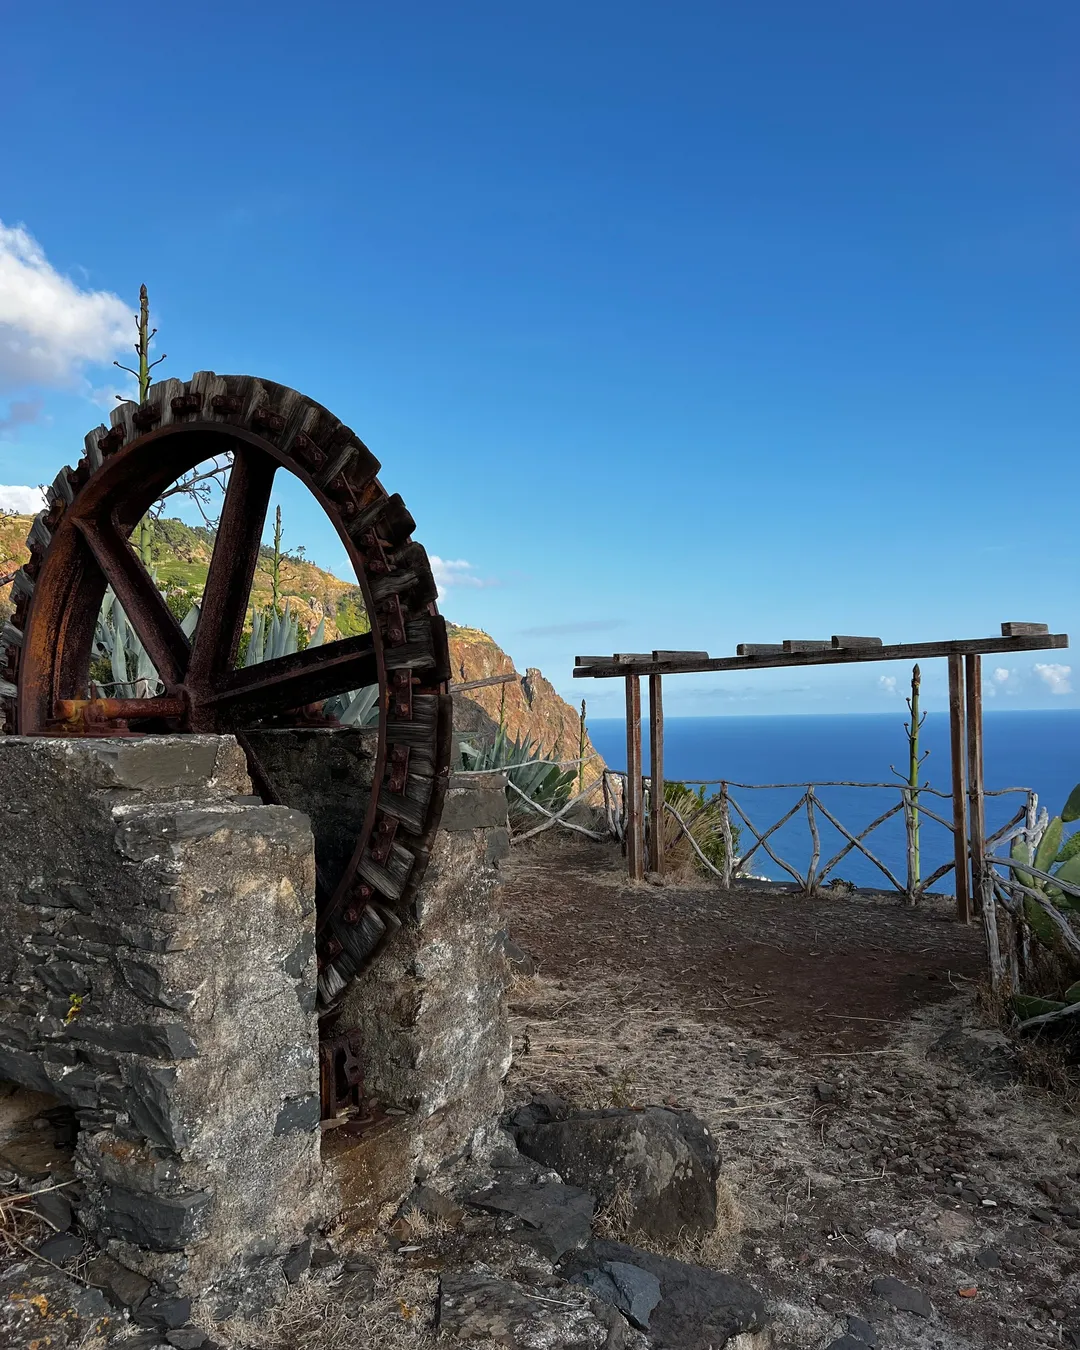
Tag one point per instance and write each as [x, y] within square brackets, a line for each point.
[160, 979]
[432, 1013]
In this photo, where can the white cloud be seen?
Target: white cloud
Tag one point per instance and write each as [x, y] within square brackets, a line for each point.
[887, 683]
[27, 501]
[1055, 676]
[449, 572]
[50, 327]
[1001, 675]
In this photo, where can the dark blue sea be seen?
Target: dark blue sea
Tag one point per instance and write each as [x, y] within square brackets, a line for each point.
[1040, 750]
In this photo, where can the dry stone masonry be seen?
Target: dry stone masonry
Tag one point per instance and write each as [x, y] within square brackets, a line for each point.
[158, 977]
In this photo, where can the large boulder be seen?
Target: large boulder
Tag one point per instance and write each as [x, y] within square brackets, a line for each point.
[657, 1168]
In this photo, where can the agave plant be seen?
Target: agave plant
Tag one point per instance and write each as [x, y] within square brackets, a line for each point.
[274, 635]
[1051, 853]
[528, 768]
[117, 646]
[702, 817]
[1058, 859]
[359, 708]
[119, 653]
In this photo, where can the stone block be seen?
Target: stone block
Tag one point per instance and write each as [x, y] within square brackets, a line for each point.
[162, 1312]
[148, 983]
[152, 1106]
[474, 809]
[301, 1113]
[157, 1040]
[124, 1287]
[25, 1068]
[161, 1223]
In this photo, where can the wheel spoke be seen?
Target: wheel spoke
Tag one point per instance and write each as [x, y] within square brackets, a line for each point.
[142, 602]
[294, 681]
[232, 566]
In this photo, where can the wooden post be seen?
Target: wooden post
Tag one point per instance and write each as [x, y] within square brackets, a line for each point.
[976, 809]
[656, 770]
[959, 786]
[635, 831]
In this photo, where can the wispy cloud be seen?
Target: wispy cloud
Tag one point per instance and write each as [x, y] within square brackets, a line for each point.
[451, 572]
[887, 684]
[21, 413]
[570, 629]
[1002, 680]
[27, 501]
[50, 327]
[1056, 677]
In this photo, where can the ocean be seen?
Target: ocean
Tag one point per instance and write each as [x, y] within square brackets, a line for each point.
[1039, 750]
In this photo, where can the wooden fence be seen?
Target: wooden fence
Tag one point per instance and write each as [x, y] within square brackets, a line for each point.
[911, 804]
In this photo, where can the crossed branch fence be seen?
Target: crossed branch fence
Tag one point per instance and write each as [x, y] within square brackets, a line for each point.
[811, 877]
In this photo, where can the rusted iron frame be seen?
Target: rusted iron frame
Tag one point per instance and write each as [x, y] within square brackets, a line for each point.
[340, 1053]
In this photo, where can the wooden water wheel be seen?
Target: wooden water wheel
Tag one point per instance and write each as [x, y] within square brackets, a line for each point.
[79, 545]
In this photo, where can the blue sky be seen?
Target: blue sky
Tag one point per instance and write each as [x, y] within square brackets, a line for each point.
[680, 325]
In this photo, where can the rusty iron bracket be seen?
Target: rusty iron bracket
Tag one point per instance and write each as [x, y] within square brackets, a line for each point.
[341, 1073]
[399, 769]
[383, 841]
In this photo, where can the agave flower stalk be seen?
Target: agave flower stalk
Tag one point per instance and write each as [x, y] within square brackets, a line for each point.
[914, 765]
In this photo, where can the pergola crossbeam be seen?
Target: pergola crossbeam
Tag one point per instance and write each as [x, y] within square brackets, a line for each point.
[771, 656]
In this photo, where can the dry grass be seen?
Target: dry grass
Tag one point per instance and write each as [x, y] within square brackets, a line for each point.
[614, 1221]
[320, 1315]
[21, 1227]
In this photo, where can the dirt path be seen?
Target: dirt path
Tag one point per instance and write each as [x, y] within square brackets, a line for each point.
[777, 965]
[906, 1147]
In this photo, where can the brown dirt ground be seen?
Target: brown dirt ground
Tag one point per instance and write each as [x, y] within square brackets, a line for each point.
[807, 1034]
[775, 964]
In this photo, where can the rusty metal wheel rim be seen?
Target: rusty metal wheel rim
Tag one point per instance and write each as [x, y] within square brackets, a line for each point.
[79, 545]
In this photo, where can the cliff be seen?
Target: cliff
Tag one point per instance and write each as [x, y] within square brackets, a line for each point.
[527, 705]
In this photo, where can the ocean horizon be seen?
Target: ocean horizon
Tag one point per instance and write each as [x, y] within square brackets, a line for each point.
[1038, 749]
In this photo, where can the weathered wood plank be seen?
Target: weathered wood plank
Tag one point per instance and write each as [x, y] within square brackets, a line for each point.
[759, 648]
[856, 643]
[678, 657]
[805, 645]
[905, 651]
[635, 831]
[1023, 629]
[656, 773]
[976, 810]
[959, 785]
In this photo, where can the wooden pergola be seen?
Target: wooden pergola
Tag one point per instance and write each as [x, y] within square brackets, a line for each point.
[965, 723]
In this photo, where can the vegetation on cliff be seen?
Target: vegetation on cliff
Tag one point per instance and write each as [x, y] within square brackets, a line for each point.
[527, 706]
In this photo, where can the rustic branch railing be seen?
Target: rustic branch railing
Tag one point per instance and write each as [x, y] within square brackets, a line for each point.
[812, 878]
[1013, 895]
